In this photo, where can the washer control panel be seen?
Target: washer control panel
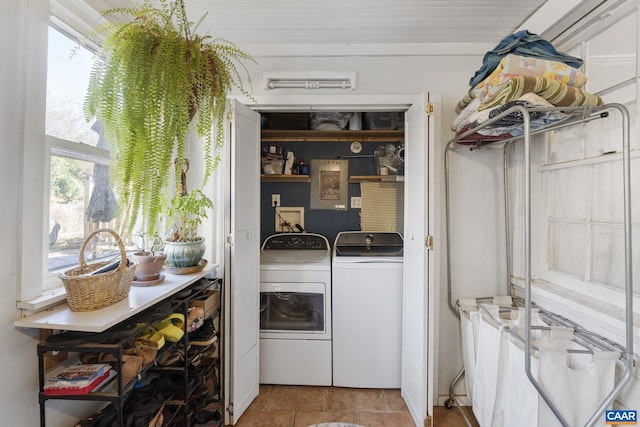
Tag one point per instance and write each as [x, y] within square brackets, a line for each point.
[296, 241]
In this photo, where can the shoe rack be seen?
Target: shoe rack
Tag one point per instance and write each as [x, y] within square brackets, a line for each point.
[191, 383]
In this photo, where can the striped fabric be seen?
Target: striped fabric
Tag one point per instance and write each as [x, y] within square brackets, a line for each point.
[557, 93]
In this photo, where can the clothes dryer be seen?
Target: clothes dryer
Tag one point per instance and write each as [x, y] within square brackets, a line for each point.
[295, 310]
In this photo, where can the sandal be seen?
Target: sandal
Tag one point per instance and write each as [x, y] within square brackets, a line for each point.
[171, 327]
[152, 335]
[131, 366]
[145, 348]
[173, 357]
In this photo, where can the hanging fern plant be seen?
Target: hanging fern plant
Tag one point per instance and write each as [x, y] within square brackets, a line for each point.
[154, 77]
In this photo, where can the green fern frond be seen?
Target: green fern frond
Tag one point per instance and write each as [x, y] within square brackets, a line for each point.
[154, 77]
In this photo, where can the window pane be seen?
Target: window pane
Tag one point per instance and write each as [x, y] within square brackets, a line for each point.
[567, 243]
[68, 71]
[80, 196]
[611, 55]
[76, 196]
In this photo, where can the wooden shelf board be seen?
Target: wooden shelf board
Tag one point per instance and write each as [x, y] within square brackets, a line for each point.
[332, 135]
[305, 178]
[284, 178]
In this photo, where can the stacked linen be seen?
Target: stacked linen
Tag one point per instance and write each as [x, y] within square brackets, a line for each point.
[512, 74]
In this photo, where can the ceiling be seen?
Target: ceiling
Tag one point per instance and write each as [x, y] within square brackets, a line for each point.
[345, 22]
[361, 21]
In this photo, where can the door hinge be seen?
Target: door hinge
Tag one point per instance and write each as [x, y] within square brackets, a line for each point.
[428, 242]
[229, 240]
[429, 109]
[230, 409]
[230, 115]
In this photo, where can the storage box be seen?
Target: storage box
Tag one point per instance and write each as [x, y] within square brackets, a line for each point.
[287, 121]
[378, 120]
[210, 302]
[273, 167]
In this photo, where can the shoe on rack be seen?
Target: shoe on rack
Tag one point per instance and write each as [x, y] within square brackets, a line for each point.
[172, 327]
[152, 335]
[205, 335]
[173, 357]
[207, 418]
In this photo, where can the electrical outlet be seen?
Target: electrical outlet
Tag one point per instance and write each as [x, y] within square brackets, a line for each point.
[275, 200]
[356, 203]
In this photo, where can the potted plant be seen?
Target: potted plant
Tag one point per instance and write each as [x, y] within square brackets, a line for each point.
[154, 79]
[184, 247]
[149, 260]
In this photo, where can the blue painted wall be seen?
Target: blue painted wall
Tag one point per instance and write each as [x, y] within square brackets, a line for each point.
[326, 222]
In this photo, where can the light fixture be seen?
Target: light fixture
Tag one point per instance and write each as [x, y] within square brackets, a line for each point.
[309, 80]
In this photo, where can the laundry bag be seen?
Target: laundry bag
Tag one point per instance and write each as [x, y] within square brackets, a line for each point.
[490, 356]
[469, 318]
[521, 407]
[577, 384]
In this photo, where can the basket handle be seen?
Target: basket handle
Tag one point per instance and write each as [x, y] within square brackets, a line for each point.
[85, 242]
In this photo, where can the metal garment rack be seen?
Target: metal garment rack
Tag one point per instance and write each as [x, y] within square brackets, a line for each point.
[580, 115]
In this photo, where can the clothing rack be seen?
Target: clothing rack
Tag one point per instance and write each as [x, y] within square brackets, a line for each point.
[580, 115]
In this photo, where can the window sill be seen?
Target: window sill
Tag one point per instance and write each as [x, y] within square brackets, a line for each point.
[593, 313]
[61, 317]
[48, 299]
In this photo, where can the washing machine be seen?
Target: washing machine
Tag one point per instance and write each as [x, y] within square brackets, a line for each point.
[367, 309]
[295, 310]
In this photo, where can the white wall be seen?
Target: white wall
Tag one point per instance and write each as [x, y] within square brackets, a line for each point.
[19, 398]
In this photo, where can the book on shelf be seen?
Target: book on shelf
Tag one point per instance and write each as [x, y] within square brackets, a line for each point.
[77, 379]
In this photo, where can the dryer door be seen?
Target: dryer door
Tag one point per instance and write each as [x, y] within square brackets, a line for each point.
[292, 310]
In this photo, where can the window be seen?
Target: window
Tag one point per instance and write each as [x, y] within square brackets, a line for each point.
[80, 197]
[577, 192]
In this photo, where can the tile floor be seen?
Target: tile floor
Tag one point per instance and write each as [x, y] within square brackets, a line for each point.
[301, 406]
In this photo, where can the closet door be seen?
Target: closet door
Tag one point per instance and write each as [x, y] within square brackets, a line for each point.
[242, 261]
[418, 290]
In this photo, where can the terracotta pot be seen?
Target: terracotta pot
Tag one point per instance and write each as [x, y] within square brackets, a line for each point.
[148, 267]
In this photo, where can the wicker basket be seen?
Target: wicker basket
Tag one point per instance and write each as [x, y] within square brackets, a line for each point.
[86, 292]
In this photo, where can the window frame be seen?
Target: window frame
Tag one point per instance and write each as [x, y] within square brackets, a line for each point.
[39, 288]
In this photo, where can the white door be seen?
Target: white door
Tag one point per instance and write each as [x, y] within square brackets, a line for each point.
[417, 330]
[242, 262]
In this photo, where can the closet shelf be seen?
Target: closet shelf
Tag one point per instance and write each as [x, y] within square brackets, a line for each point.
[270, 135]
[354, 179]
[284, 178]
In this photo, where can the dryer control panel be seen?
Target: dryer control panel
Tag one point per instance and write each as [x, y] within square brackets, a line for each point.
[296, 241]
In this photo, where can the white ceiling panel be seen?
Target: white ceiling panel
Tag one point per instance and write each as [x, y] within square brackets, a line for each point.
[351, 23]
[361, 21]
